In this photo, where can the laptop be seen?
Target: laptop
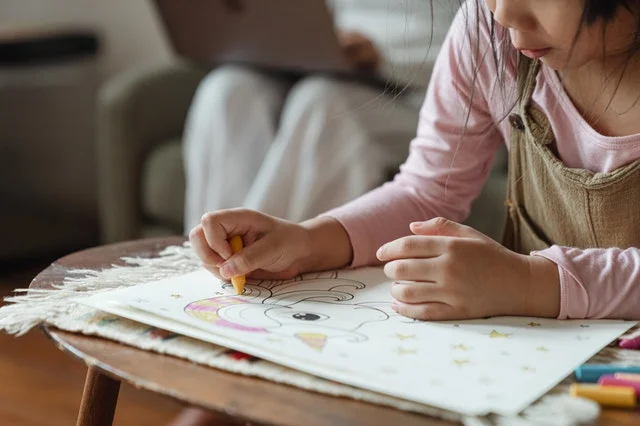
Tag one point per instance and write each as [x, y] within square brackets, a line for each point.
[289, 35]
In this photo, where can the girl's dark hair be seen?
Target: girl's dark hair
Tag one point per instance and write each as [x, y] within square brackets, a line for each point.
[603, 9]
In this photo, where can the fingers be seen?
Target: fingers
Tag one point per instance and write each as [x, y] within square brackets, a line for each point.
[207, 255]
[215, 271]
[426, 270]
[426, 311]
[218, 226]
[443, 227]
[433, 238]
[414, 247]
[259, 255]
[216, 236]
[418, 292]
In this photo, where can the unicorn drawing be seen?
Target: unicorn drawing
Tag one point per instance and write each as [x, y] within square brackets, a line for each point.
[296, 309]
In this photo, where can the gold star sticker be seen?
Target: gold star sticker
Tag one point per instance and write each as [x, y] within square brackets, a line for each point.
[405, 351]
[176, 296]
[497, 335]
[460, 362]
[405, 336]
[542, 349]
[461, 347]
[534, 324]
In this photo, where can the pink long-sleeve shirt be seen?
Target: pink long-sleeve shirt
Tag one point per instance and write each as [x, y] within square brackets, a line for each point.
[445, 172]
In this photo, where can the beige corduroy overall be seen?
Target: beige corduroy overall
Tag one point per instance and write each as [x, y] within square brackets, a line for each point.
[549, 203]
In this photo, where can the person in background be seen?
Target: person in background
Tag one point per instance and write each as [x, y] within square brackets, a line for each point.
[294, 149]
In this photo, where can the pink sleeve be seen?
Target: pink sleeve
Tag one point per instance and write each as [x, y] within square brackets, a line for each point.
[597, 283]
[451, 155]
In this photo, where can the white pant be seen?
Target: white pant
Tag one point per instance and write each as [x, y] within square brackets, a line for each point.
[294, 151]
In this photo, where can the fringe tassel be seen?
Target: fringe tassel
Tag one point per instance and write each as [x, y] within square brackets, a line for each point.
[32, 307]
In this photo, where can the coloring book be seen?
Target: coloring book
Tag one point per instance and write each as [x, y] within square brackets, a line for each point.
[340, 326]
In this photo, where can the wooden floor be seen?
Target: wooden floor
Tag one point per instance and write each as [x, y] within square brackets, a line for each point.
[39, 385]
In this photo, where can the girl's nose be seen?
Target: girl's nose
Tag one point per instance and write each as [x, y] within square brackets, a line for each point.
[513, 14]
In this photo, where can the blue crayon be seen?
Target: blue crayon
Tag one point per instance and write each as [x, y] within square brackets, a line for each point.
[590, 373]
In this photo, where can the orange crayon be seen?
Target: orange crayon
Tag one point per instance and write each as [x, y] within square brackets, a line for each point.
[610, 396]
[238, 281]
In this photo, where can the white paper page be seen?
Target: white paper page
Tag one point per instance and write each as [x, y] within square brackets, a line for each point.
[340, 326]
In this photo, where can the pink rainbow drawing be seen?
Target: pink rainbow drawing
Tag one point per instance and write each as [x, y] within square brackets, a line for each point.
[207, 310]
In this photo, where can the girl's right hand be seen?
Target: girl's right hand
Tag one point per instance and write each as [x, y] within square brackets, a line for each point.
[273, 248]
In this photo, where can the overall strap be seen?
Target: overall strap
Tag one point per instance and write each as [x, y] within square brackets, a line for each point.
[526, 80]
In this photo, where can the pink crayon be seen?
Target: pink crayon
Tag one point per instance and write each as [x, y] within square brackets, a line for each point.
[609, 380]
[632, 343]
[628, 377]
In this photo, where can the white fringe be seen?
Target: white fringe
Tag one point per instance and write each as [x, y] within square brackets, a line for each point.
[33, 307]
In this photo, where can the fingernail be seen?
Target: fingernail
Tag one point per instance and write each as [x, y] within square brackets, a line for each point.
[228, 270]
[417, 224]
[380, 252]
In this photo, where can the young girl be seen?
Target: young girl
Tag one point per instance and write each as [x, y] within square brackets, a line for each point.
[558, 81]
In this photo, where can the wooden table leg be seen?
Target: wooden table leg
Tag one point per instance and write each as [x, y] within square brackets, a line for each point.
[99, 399]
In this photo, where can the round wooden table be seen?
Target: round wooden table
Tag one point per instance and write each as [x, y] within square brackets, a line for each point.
[236, 398]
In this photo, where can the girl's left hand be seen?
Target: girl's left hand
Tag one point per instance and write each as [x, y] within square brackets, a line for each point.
[450, 271]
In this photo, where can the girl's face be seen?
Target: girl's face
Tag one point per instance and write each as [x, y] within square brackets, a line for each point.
[547, 29]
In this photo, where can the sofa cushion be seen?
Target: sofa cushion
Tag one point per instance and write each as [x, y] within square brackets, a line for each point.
[163, 185]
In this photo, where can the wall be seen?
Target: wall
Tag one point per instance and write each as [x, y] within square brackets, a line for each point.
[47, 150]
[131, 31]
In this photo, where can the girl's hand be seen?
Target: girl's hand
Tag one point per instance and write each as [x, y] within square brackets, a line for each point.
[359, 50]
[450, 271]
[273, 248]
